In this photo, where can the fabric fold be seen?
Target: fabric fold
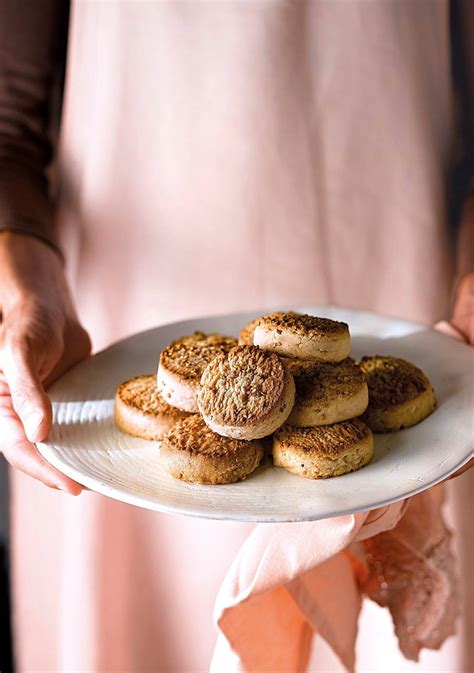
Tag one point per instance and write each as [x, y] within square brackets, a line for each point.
[292, 581]
[411, 571]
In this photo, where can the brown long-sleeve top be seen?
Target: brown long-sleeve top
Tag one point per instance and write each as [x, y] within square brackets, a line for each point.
[33, 46]
[32, 53]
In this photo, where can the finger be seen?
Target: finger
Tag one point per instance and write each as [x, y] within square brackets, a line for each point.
[24, 456]
[463, 313]
[449, 330]
[78, 349]
[464, 322]
[29, 399]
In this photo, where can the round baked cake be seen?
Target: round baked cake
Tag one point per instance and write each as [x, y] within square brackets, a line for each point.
[400, 394]
[247, 333]
[192, 452]
[324, 451]
[182, 364]
[246, 393]
[303, 336]
[327, 392]
[141, 411]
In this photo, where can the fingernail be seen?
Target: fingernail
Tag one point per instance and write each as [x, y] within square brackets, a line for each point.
[32, 424]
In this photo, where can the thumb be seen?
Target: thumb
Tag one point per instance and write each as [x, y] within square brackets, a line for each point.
[29, 399]
[448, 329]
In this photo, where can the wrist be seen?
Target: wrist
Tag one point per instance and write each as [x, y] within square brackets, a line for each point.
[31, 234]
[17, 238]
[465, 285]
[30, 271]
[463, 311]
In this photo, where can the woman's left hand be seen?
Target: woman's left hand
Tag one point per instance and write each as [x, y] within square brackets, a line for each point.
[463, 321]
[463, 312]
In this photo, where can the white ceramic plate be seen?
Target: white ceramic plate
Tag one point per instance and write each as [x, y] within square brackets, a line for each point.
[85, 444]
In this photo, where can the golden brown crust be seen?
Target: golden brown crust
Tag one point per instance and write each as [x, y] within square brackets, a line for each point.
[326, 440]
[400, 394]
[303, 336]
[141, 394]
[392, 381]
[325, 381]
[242, 387]
[193, 436]
[322, 452]
[246, 333]
[297, 366]
[327, 392]
[188, 357]
[304, 325]
[141, 411]
[192, 452]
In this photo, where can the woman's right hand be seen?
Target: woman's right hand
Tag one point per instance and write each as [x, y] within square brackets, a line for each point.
[40, 339]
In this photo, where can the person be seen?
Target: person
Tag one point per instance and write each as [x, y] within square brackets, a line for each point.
[210, 158]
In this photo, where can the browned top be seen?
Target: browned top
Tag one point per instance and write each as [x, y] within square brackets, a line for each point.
[140, 393]
[189, 356]
[298, 366]
[392, 381]
[193, 436]
[246, 333]
[329, 440]
[304, 325]
[325, 380]
[242, 386]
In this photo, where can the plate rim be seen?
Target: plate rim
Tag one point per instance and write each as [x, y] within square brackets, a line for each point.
[283, 307]
[110, 492]
[50, 454]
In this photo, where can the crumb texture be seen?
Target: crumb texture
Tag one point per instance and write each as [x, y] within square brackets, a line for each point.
[193, 436]
[392, 381]
[141, 394]
[242, 386]
[325, 381]
[304, 325]
[329, 440]
[246, 333]
[188, 357]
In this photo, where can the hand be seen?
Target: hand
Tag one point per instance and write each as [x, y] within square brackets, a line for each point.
[463, 312]
[463, 320]
[40, 339]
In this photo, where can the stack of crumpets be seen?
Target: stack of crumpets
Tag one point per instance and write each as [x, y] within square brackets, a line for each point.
[289, 380]
[322, 436]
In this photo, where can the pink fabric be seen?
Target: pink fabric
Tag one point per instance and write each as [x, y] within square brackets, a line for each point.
[216, 157]
[292, 580]
[411, 572]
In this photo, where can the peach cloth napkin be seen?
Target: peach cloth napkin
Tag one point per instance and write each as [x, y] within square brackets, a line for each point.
[292, 581]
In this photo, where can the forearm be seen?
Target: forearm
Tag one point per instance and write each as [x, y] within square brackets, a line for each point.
[25, 205]
[465, 241]
[31, 272]
[463, 310]
[40, 339]
[32, 38]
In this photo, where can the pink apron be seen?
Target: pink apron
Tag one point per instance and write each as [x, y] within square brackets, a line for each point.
[215, 157]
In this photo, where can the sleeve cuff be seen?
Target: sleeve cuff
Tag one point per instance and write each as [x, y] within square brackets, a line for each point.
[25, 207]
